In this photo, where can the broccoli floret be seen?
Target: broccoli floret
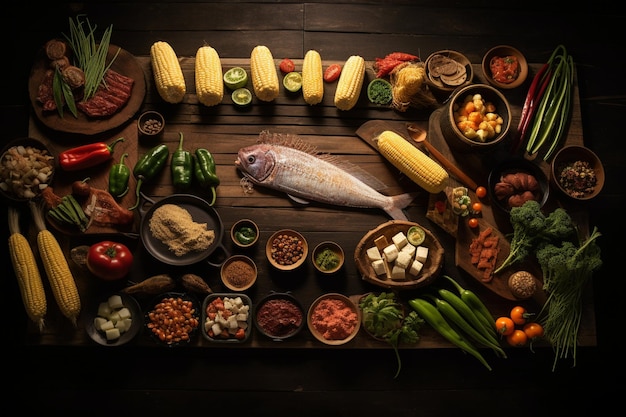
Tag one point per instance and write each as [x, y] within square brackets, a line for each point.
[559, 226]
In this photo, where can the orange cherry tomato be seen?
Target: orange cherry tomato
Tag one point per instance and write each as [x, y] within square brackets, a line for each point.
[473, 222]
[533, 330]
[481, 192]
[517, 338]
[505, 326]
[477, 207]
[519, 315]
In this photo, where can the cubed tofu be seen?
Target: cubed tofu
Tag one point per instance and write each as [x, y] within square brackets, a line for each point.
[107, 325]
[115, 302]
[421, 254]
[408, 248]
[381, 242]
[98, 322]
[124, 313]
[373, 254]
[397, 273]
[104, 310]
[390, 252]
[400, 240]
[403, 260]
[112, 334]
[379, 267]
[416, 267]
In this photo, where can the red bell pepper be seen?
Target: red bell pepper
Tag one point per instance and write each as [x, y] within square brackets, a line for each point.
[87, 156]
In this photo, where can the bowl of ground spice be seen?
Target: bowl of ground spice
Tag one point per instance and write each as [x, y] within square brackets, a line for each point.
[238, 273]
[279, 316]
[334, 319]
[577, 173]
[286, 249]
[328, 257]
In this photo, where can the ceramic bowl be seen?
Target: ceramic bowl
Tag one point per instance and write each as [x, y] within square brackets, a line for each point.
[566, 168]
[150, 124]
[447, 70]
[29, 152]
[244, 223]
[328, 257]
[286, 249]
[218, 331]
[513, 79]
[501, 188]
[458, 139]
[238, 273]
[279, 316]
[334, 319]
[123, 312]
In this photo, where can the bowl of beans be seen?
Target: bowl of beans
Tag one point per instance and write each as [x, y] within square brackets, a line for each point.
[173, 318]
[238, 273]
[150, 124]
[577, 172]
[286, 249]
[334, 319]
[279, 316]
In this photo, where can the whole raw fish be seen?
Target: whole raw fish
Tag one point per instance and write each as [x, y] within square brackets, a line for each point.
[286, 163]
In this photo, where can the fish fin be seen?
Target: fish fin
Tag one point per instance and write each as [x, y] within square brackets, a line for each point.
[400, 202]
[298, 199]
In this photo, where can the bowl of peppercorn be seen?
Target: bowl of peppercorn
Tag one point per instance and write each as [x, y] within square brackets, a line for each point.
[577, 172]
[150, 124]
[328, 257]
[244, 233]
[286, 249]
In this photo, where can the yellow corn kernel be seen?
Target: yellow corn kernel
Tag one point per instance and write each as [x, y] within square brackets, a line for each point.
[350, 83]
[312, 78]
[168, 75]
[209, 82]
[263, 73]
[412, 162]
[26, 272]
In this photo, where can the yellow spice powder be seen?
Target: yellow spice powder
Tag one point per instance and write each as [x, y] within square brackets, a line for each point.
[174, 226]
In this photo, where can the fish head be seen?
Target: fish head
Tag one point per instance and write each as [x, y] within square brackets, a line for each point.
[256, 162]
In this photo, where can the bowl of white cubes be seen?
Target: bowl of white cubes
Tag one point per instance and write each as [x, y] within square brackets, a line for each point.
[115, 321]
[400, 255]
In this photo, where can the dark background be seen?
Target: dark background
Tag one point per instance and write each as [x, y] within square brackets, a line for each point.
[336, 382]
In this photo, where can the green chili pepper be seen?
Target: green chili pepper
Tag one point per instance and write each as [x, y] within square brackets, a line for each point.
[468, 314]
[148, 166]
[245, 235]
[181, 166]
[432, 316]
[475, 303]
[118, 178]
[204, 171]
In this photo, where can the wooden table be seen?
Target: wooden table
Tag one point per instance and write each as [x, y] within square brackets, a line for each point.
[223, 130]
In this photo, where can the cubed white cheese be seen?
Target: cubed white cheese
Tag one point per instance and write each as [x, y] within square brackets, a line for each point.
[416, 267]
[114, 316]
[373, 254]
[408, 248]
[397, 273]
[403, 260]
[124, 313]
[379, 267]
[399, 240]
[421, 254]
[112, 334]
[98, 322]
[107, 325]
[115, 302]
[104, 310]
[391, 252]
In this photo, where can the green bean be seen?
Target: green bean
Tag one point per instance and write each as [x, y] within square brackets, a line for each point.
[468, 314]
[476, 304]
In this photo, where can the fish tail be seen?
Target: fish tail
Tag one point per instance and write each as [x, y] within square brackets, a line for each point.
[398, 204]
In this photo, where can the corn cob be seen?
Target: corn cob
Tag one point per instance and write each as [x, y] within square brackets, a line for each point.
[263, 72]
[57, 269]
[312, 78]
[350, 83]
[412, 162]
[26, 272]
[168, 75]
[209, 82]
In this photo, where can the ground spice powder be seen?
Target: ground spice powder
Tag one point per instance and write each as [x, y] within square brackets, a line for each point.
[334, 319]
[238, 273]
[279, 317]
[174, 226]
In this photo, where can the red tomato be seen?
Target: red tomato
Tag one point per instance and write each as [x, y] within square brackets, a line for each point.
[109, 260]
[517, 338]
[286, 66]
[332, 73]
[505, 326]
[473, 222]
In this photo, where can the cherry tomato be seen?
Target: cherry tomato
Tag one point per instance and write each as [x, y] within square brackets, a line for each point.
[505, 326]
[477, 207]
[473, 222]
[332, 73]
[109, 260]
[533, 330]
[517, 338]
[286, 66]
[481, 192]
[519, 315]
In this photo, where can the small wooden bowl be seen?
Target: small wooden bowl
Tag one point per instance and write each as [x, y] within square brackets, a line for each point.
[333, 247]
[316, 329]
[272, 251]
[244, 223]
[504, 51]
[446, 61]
[232, 279]
[150, 124]
[570, 154]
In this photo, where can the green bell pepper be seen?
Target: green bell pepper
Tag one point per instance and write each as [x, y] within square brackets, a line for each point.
[181, 166]
[118, 178]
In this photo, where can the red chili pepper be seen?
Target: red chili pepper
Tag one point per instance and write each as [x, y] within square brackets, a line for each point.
[87, 156]
[402, 56]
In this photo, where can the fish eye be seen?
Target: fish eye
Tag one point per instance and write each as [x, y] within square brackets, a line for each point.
[251, 159]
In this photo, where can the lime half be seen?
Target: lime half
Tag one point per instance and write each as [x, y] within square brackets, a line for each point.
[242, 96]
[415, 235]
[235, 78]
[292, 81]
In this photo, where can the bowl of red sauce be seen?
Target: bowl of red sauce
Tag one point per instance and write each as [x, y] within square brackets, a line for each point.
[279, 316]
[505, 67]
[334, 319]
